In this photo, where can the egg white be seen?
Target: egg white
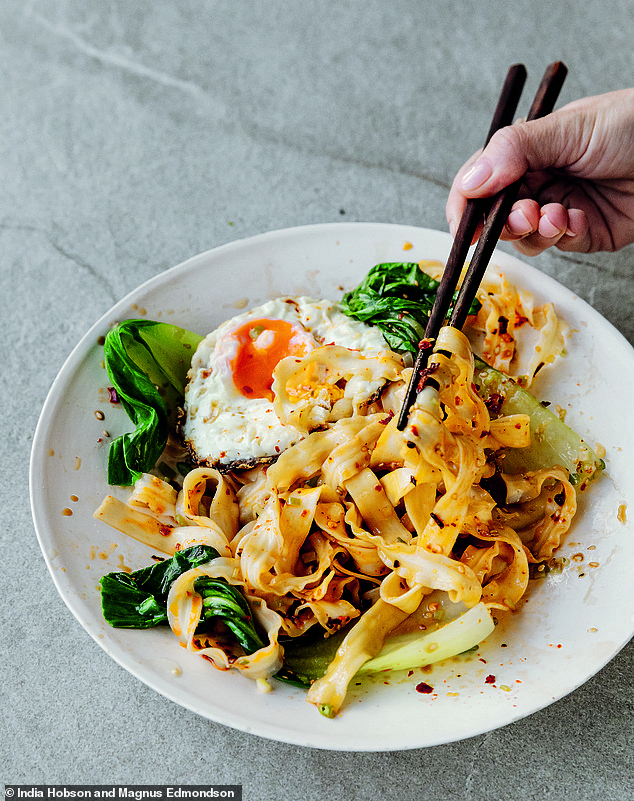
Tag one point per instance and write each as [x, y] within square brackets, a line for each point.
[223, 428]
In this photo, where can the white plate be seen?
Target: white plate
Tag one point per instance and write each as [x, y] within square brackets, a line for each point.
[571, 625]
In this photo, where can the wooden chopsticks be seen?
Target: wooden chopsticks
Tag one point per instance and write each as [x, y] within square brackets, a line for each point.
[496, 211]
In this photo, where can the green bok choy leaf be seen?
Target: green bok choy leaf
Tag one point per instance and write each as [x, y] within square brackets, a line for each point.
[397, 298]
[147, 363]
[138, 600]
[223, 600]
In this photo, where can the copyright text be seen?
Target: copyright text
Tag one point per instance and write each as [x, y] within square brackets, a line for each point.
[131, 791]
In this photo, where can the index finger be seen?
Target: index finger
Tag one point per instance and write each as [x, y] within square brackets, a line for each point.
[457, 199]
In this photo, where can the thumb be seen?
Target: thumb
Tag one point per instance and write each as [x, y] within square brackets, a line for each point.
[517, 149]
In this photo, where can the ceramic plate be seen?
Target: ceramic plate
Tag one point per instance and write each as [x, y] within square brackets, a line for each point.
[572, 623]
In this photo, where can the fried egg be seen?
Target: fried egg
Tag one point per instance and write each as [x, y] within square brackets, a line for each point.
[229, 417]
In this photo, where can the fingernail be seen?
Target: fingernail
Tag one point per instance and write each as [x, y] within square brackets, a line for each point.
[476, 175]
[547, 229]
[518, 223]
[452, 228]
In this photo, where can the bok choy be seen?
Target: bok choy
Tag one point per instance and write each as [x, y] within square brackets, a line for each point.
[396, 297]
[305, 662]
[147, 363]
[552, 441]
[223, 600]
[138, 600]
[405, 651]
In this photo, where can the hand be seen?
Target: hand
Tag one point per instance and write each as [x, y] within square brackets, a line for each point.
[578, 191]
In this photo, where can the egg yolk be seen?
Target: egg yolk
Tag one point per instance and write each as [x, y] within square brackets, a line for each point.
[261, 345]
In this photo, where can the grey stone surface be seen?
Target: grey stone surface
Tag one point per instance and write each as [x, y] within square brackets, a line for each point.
[136, 134]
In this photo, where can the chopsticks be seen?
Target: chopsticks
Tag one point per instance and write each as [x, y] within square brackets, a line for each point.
[496, 211]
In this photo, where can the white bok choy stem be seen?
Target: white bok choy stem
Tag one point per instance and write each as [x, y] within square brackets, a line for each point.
[405, 651]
